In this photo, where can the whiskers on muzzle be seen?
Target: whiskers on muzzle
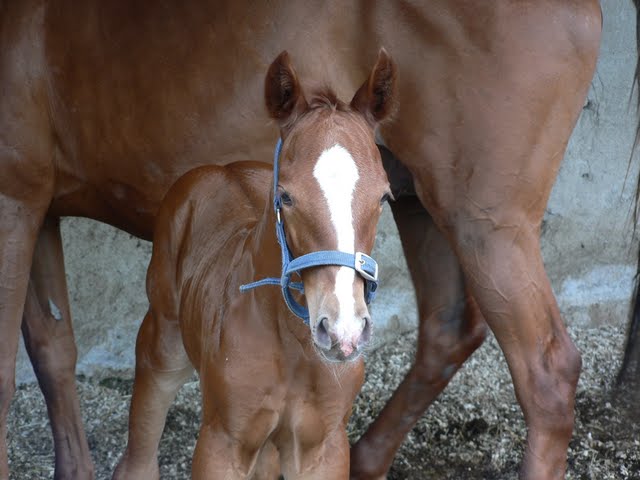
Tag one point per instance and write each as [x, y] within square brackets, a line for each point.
[340, 340]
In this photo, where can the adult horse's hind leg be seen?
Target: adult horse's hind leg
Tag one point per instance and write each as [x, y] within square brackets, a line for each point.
[48, 337]
[450, 329]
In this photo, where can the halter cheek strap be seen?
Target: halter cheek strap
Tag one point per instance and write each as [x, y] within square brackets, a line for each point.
[363, 264]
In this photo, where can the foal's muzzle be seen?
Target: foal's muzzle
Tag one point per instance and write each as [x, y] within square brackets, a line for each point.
[335, 343]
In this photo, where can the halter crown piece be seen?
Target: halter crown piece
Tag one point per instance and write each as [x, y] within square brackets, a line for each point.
[366, 266]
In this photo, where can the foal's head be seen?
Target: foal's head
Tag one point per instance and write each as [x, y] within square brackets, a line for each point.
[332, 186]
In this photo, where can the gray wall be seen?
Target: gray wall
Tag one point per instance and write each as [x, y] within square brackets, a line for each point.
[587, 238]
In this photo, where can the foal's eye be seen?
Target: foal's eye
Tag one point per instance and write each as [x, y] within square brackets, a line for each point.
[286, 199]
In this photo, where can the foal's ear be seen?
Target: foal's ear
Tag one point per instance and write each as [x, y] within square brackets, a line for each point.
[283, 94]
[375, 99]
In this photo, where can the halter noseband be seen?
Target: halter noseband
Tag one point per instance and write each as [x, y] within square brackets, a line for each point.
[366, 266]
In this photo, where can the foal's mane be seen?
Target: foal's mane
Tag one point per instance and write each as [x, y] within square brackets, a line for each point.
[326, 98]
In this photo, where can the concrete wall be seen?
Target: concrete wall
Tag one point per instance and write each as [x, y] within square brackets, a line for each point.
[587, 239]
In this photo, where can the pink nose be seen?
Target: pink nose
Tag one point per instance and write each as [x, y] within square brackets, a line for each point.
[327, 337]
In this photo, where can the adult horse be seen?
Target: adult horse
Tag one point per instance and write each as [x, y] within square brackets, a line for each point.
[104, 104]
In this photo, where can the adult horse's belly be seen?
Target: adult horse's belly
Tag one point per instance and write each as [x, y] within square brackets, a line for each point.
[141, 93]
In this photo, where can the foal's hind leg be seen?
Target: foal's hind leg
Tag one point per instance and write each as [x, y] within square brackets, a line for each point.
[48, 337]
[162, 367]
[450, 329]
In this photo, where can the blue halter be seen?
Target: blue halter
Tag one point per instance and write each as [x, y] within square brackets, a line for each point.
[366, 266]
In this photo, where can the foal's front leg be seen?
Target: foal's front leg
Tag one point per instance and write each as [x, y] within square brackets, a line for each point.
[236, 447]
[162, 367]
[217, 455]
[332, 462]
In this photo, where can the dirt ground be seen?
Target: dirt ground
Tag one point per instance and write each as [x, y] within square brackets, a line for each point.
[474, 430]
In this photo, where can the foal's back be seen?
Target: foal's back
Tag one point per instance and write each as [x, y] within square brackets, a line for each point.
[202, 225]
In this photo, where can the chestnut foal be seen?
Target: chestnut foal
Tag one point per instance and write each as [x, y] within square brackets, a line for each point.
[275, 397]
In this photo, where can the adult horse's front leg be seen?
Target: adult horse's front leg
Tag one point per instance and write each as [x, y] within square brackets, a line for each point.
[506, 273]
[48, 337]
[26, 180]
[22, 210]
[26, 186]
[19, 224]
[450, 329]
[483, 127]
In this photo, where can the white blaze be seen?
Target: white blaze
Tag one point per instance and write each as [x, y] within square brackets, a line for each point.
[337, 174]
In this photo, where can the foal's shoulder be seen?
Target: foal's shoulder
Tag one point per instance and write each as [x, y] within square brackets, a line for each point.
[207, 206]
[205, 183]
[213, 191]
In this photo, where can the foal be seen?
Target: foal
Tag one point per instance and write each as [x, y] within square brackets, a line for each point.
[274, 399]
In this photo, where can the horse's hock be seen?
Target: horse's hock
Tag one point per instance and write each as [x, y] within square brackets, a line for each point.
[587, 242]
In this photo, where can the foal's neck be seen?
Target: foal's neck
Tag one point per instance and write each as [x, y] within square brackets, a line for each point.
[265, 250]
[265, 260]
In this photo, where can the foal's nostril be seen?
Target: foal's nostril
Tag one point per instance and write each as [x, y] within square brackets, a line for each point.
[365, 336]
[322, 337]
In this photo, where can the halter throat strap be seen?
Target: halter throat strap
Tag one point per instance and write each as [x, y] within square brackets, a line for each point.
[362, 263]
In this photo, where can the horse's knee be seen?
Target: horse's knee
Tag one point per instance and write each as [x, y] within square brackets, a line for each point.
[569, 362]
[554, 377]
[476, 327]
[53, 358]
[476, 337]
[448, 338]
[51, 354]
[160, 351]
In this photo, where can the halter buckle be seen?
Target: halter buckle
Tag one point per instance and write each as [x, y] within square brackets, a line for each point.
[361, 262]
